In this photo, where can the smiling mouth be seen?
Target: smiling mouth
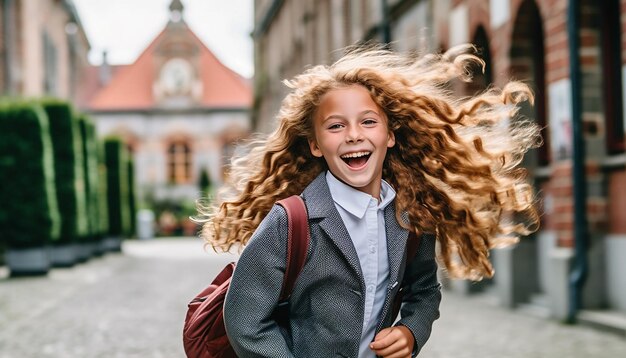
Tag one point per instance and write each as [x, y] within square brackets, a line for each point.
[356, 160]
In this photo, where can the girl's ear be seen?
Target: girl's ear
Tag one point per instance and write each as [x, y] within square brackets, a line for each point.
[315, 149]
[391, 139]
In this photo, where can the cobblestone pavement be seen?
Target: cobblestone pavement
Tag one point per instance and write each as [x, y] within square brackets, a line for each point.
[133, 305]
[476, 327]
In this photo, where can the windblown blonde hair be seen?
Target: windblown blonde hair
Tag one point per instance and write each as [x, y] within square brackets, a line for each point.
[454, 165]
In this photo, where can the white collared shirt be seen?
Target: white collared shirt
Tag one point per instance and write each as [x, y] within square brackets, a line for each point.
[363, 216]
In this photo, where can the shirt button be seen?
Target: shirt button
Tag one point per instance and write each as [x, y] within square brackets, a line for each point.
[370, 288]
[372, 249]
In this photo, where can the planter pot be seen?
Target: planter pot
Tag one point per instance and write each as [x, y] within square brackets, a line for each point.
[145, 224]
[98, 248]
[91, 249]
[112, 244]
[28, 262]
[63, 255]
[83, 252]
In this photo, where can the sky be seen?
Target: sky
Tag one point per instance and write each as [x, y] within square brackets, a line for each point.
[124, 28]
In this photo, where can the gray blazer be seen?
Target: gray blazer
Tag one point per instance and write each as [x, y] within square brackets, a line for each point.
[327, 302]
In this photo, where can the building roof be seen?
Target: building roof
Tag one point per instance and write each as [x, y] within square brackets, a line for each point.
[131, 86]
[91, 83]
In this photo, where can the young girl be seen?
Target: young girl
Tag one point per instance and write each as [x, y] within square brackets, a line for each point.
[377, 147]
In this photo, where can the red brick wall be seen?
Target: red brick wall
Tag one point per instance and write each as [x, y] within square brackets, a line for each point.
[554, 16]
[617, 202]
[561, 189]
[590, 52]
[597, 207]
[562, 216]
[602, 214]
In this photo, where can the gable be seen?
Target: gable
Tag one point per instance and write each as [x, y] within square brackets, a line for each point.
[137, 86]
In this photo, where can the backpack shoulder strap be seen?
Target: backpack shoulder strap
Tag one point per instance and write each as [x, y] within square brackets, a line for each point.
[412, 244]
[297, 242]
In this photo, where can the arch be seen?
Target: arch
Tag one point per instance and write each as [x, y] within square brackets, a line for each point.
[528, 64]
[527, 58]
[482, 79]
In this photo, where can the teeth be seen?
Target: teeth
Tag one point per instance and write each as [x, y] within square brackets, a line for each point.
[355, 155]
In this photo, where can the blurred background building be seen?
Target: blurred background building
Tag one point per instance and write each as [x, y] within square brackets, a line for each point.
[521, 39]
[177, 107]
[43, 49]
[179, 110]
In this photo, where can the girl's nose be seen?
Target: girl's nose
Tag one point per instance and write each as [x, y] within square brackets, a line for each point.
[354, 135]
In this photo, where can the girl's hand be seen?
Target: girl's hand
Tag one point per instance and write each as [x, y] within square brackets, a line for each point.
[393, 342]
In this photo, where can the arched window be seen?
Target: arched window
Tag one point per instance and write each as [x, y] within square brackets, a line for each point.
[610, 35]
[528, 63]
[482, 80]
[179, 163]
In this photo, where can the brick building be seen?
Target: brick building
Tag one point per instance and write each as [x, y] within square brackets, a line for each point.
[521, 39]
[43, 48]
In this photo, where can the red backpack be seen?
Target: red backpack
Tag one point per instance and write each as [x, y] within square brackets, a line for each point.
[204, 335]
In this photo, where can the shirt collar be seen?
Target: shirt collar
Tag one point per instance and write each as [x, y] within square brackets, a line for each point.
[354, 201]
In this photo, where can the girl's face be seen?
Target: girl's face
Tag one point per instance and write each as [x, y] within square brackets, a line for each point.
[351, 134]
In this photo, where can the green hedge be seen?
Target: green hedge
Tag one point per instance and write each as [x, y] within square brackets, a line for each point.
[132, 202]
[116, 157]
[90, 169]
[29, 215]
[68, 166]
[103, 205]
[205, 183]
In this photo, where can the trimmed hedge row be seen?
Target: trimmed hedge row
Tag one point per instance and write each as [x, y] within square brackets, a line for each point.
[58, 184]
[29, 215]
[103, 193]
[116, 159]
[132, 202]
[69, 170]
[90, 168]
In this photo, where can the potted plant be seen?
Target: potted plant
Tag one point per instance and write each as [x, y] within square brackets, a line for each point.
[29, 215]
[70, 182]
[90, 246]
[117, 192]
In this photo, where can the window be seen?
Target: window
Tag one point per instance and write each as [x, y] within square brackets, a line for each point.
[179, 163]
[612, 84]
[50, 66]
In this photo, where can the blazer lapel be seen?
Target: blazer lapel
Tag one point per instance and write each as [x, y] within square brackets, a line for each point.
[396, 242]
[321, 206]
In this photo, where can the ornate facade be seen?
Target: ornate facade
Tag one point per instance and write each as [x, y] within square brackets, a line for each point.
[178, 108]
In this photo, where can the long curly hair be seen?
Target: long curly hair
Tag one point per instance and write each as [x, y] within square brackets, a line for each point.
[454, 166]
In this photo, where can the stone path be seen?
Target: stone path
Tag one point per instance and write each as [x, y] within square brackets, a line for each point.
[133, 305]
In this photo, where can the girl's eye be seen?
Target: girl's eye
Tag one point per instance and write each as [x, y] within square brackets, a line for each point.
[335, 126]
[369, 122]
